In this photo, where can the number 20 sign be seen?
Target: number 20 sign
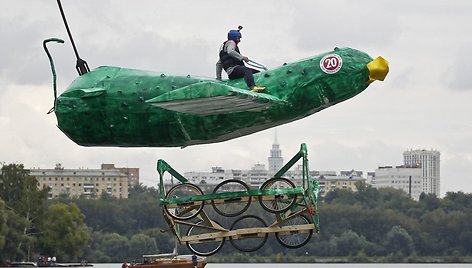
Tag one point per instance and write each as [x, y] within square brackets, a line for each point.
[331, 63]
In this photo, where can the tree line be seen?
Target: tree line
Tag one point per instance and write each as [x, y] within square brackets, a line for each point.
[369, 224]
[30, 225]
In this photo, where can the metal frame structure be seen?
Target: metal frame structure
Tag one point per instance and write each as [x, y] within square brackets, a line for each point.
[294, 208]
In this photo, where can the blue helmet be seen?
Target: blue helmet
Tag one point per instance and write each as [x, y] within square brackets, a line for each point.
[234, 35]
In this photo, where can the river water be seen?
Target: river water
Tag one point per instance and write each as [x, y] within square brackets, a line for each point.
[317, 265]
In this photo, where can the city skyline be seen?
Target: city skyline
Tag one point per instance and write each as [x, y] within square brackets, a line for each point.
[411, 161]
[276, 155]
[420, 173]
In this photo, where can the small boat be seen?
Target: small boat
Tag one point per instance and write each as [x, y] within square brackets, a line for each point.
[171, 260]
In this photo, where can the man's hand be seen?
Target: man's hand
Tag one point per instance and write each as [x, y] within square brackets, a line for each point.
[246, 59]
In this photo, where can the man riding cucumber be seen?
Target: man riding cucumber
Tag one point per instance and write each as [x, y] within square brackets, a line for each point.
[231, 60]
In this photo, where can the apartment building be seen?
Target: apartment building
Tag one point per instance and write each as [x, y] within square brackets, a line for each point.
[330, 180]
[429, 160]
[406, 177]
[132, 173]
[85, 183]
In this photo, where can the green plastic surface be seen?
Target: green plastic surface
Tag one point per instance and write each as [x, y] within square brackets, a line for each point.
[112, 106]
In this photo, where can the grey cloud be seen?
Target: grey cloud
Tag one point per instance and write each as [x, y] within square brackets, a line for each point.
[458, 75]
[344, 24]
[20, 54]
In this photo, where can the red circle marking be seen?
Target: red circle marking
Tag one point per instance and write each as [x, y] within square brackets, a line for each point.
[331, 63]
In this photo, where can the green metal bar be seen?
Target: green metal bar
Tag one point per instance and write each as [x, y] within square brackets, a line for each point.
[230, 195]
[53, 69]
[292, 161]
[162, 167]
[306, 172]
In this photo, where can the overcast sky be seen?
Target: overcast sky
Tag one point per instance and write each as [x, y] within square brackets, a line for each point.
[424, 103]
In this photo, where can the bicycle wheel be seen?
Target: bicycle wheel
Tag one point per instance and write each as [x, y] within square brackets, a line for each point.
[280, 202]
[184, 210]
[207, 247]
[295, 239]
[232, 206]
[249, 241]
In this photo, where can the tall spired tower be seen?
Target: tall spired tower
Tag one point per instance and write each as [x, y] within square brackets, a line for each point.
[276, 160]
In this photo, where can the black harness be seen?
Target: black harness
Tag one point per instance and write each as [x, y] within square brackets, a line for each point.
[228, 61]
